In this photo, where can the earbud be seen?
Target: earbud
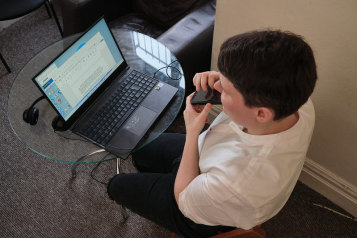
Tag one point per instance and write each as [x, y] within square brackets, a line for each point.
[31, 114]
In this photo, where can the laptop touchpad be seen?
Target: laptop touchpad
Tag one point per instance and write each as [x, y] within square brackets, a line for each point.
[139, 121]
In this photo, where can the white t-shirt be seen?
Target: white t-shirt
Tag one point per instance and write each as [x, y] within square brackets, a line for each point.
[246, 179]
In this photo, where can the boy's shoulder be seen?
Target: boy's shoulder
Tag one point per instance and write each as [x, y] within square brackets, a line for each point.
[276, 174]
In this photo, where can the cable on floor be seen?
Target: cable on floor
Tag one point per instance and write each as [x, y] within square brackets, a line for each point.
[318, 205]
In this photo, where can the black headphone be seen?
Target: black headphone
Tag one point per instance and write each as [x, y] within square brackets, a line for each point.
[31, 114]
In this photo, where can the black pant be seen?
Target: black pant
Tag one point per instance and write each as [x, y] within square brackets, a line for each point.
[150, 193]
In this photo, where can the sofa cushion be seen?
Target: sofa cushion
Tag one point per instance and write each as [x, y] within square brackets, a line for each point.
[165, 13]
[134, 22]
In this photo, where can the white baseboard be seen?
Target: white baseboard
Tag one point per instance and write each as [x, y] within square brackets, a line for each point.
[330, 186]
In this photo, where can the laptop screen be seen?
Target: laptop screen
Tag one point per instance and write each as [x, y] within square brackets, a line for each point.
[79, 71]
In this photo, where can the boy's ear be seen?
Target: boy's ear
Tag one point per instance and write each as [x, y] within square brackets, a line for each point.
[264, 114]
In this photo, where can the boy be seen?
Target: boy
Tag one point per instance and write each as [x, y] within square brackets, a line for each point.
[241, 171]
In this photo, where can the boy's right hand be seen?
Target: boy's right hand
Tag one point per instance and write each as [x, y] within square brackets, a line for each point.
[202, 79]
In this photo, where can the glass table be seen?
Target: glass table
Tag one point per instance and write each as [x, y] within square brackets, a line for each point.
[142, 52]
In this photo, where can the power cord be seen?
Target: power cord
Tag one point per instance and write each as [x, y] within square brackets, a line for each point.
[318, 205]
[97, 165]
[170, 66]
[305, 203]
[118, 170]
[92, 176]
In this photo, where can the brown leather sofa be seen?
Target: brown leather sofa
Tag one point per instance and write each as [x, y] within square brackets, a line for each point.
[183, 26]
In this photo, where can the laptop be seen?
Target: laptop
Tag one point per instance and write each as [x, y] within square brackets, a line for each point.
[99, 96]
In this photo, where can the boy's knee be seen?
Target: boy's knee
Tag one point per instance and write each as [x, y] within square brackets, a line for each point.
[136, 164]
[114, 186]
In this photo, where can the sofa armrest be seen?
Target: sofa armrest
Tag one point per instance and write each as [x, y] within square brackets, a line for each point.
[190, 40]
[79, 15]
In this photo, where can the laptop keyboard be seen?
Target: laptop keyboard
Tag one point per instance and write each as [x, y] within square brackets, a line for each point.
[102, 126]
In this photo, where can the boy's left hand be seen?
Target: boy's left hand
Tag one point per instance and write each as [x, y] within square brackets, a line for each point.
[195, 116]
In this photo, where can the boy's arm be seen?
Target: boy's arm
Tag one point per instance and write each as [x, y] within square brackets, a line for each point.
[189, 168]
[195, 119]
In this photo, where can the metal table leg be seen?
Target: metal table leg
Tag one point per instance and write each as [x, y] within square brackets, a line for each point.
[4, 62]
[48, 10]
[55, 16]
[123, 212]
[121, 208]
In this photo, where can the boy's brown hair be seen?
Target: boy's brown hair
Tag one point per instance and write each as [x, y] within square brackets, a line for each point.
[270, 68]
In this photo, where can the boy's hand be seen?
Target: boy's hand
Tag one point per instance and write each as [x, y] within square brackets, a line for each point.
[195, 117]
[202, 79]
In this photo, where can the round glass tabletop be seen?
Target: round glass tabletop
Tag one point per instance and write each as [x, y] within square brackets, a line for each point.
[141, 52]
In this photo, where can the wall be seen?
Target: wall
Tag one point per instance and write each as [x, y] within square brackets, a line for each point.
[330, 28]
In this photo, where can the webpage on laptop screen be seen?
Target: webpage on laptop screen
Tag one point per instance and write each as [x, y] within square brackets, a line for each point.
[80, 70]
